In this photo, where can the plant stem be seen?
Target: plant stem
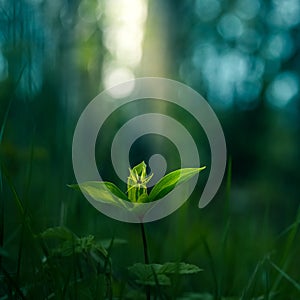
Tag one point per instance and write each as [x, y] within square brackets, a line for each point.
[146, 255]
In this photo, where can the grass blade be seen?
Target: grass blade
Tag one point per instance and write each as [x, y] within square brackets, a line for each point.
[286, 276]
[293, 229]
[213, 269]
[251, 280]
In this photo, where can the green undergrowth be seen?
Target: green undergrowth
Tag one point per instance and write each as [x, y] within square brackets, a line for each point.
[78, 253]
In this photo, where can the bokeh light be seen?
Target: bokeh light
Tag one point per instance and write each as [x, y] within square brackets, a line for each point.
[123, 37]
[285, 14]
[230, 27]
[207, 10]
[283, 89]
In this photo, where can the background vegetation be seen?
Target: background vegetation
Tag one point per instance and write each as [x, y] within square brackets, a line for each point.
[241, 55]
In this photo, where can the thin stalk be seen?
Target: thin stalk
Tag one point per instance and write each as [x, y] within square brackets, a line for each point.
[146, 255]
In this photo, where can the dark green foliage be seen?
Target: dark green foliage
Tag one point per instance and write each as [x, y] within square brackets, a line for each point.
[151, 274]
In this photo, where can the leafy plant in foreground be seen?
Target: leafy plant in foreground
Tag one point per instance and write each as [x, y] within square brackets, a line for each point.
[137, 191]
[153, 274]
[74, 266]
[145, 274]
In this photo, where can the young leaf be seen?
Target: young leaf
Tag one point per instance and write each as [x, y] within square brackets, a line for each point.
[137, 182]
[105, 192]
[169, 181]
[144, 198]
[140, 168]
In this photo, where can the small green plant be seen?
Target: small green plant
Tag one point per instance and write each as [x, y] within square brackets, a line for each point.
[146, 274]
[137, 191]
[89, 271]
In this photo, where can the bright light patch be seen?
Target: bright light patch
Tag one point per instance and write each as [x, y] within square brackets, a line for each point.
[285, 13]
[123, 11]
[115, 76]
[125, 44]
[283, 89]
[123, 38]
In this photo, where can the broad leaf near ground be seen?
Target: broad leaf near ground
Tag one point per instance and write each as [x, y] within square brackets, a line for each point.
[58, 232]
[144, 274]
[148, 274]
[179, 268]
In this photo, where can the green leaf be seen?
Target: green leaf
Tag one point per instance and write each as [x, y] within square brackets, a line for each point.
[145, 276]
[144, 198]
[105, 192]
[161, 279]
[89, 187]
[137, 183]
[179, 268]
[166, 184]
[58, 232]
[115, 190]
[140, 168]
[71, 244]
[145, 273]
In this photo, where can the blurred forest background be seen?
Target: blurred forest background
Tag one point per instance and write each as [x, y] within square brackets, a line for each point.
[241, 55]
